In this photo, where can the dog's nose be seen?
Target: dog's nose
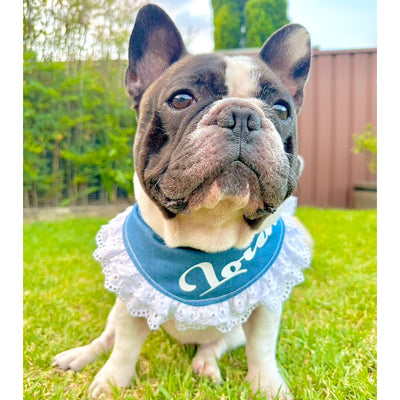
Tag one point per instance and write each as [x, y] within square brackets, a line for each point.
[241, 121]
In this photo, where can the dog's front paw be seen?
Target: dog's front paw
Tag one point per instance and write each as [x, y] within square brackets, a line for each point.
[205, 364]
[109, 376]
[271, 384]
[99, 389]
[74, 359]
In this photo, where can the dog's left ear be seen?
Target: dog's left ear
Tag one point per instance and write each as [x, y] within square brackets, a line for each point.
[154, 45]
[288, 53]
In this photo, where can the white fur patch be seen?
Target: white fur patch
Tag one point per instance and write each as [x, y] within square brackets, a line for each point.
[241, 76]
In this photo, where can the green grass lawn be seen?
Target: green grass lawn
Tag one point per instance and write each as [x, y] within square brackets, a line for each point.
[327, 346]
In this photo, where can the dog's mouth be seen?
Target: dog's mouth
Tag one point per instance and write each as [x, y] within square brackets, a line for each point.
[237, 182]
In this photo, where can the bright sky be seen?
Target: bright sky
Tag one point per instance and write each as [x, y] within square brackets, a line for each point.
[333, 24]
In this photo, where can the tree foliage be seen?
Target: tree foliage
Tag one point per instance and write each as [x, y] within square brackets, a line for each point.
[263, 17]
[228, 23]
[246, 23]
[227, 32]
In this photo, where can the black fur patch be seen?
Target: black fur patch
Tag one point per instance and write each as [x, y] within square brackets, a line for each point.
[156, 139]
[288, 146]
[301, 69]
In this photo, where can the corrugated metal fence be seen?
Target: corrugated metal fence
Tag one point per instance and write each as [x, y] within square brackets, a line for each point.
[340, 100]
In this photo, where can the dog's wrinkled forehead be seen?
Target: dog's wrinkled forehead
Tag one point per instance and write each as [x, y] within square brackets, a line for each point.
[212, 77]
[221, 76]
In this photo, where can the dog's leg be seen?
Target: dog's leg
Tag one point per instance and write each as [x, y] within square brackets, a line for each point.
[130, 333]
[205, 361]
[78, 357]
[262, 331]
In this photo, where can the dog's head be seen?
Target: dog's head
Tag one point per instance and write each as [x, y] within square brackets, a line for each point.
[216, 134]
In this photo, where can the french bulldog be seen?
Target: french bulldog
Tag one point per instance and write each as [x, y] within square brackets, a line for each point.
[216, 159]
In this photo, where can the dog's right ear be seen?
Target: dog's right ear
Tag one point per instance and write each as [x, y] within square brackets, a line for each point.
[154, 45]
[288, 53]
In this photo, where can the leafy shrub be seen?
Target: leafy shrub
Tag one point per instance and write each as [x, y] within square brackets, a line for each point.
[78, 132]
[367, 142]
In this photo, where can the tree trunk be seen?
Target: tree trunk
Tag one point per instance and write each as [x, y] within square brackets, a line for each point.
[26, 199]
[56, 169]
[35, 198]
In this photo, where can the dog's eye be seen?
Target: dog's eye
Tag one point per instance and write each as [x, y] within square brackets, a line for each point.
[281, 111]
[181, 101]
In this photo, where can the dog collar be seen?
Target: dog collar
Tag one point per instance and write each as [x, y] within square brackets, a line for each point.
[195, 277]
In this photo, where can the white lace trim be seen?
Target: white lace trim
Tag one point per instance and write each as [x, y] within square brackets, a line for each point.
[143, 300]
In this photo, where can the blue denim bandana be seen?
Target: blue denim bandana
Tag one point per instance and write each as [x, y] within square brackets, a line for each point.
[195, 277]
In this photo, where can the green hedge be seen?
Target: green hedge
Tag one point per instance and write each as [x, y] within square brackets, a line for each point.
[78, 132]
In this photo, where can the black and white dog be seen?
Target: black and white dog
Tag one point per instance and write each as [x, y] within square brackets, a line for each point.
[211, 250]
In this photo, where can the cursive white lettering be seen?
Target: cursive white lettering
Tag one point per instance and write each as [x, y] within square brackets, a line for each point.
[229, 271]
[209, 274]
